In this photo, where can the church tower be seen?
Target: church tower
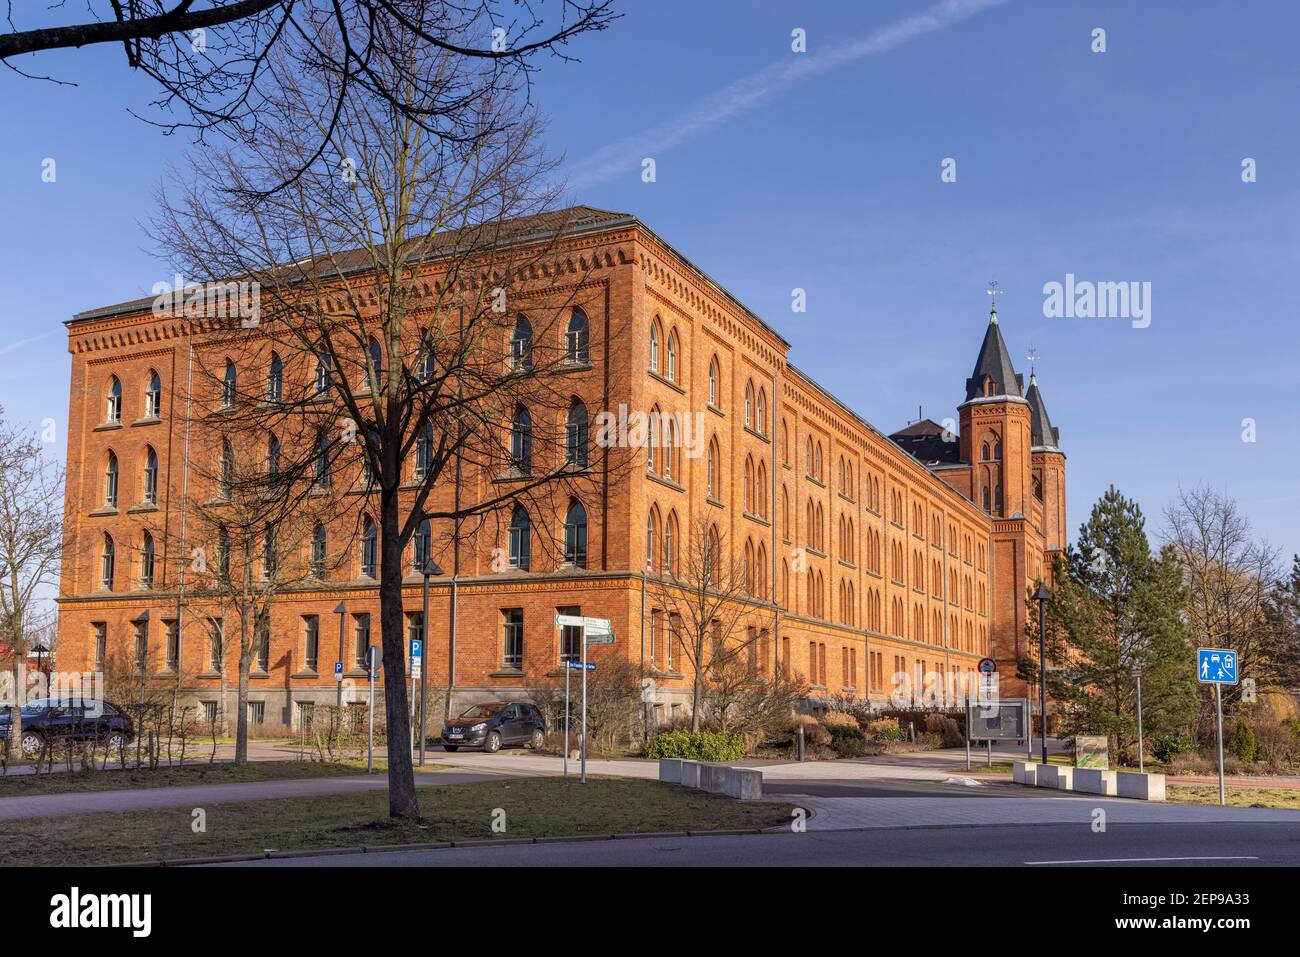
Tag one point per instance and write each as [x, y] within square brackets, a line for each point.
[997, 441]
[1048, 479]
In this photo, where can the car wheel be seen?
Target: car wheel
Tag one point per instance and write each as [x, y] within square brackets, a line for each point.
[451, 747]
[537, 740]
[31, 743]
[493, 743]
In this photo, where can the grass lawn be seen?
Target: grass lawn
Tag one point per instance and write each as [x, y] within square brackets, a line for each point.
[1235, 796]
[978, 763]
[115, 779]
[534, 807]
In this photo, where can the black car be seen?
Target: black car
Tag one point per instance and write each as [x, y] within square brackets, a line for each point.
[489, 726]
[52, 720]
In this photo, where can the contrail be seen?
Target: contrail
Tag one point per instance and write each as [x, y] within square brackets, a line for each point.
[14, 346]
[625, 155]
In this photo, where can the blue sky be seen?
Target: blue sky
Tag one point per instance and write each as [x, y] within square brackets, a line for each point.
[823, 173]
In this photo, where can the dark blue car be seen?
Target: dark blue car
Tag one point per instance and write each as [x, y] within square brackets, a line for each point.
[53, 720]
[496, 723]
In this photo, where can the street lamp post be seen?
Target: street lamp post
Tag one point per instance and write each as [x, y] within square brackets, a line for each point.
[1042, 596]
[430, 568]
[1137, 674]
[341, 610]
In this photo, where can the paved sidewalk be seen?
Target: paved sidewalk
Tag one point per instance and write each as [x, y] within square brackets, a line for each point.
[832, 814]
[200, 795]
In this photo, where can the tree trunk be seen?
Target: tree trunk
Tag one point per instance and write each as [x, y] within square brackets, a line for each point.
[401, 776]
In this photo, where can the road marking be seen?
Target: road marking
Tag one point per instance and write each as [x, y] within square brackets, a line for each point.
[1138, 860]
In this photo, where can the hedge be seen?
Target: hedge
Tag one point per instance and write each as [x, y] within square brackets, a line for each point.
[696, 746]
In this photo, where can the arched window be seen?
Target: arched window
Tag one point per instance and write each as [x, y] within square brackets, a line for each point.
[749, 405]
[713, 382]
[146, 561]
[575, 435]
[369, 548]
[521, 441]
[997, 499]
[651, 537]
[711, 472]
[108, 562]
[817, 462]
[575, 337]
[575, 535]
[521, 345]
[113, 412]
[268, 553]
[275, 379]
[150, 476]
[808, 457]
[986, 498]
[420, 553]
[670, 542]
[424, 366]
[672, 356]
[654, 347]
[226, 471]
[984, 452]
[713, 556]
[521, 539]
[153, 397]
[110, 481]
[322, 465]
[424, 452]
[272, 461]
[229, 385]
[760, 572]
[748, 496]
[785, 443]
[223, 553]
[997, 450]
[324, 374]
[319, 545]
[760, 423]
[760, 491]
[375, 374]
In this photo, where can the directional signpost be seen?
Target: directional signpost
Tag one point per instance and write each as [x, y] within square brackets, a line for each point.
[595, 631]
[1218, 667]
[372, 669]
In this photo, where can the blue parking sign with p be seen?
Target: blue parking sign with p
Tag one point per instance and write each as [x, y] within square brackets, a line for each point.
[1216, 666]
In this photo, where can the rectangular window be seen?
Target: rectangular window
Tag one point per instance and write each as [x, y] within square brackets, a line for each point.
[844, 666]
[513, 644]
[99, 633]
[414, 627]
[361, 641]
[812, 662]
[173, 646]
[263, 637]
[216, 644]
[674, 636]
[311, 642]
[256, 712]
[656, 636]
[209, 713]
[821, 663]
[853, 667]
[785, 656]
[570, 637]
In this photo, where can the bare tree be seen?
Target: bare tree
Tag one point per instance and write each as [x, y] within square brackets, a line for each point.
[706, 599]
[251, 541]
[31, 540]
[410, 294]
[1230, 576]
[211, 60]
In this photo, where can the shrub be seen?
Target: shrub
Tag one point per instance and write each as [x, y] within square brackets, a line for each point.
[1243, 743]
[836, 720]
[892, 735]
[1167, 747]
[1275, 743]
[947, 729]
[696, 745]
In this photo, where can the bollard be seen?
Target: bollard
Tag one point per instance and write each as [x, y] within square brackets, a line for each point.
[801, 742]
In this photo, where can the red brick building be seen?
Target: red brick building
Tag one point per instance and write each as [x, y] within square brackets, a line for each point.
[869, 555]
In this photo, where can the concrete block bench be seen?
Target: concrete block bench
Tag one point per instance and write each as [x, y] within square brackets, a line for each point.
[1143, 787]
[1054, 776]
[745, 784]
[1025, 772]
[713, 778]
[670, 770]
[690, 776]
[1095, 781]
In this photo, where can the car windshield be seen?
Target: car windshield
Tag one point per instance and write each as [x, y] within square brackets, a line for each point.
[38, 706]
[483, 711]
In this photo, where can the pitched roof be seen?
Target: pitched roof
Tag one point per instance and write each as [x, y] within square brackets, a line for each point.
[572, 219]
[1045, 435]
[928, 441]
[994, 363]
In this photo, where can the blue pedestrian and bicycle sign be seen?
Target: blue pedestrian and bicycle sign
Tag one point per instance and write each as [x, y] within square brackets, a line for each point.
[1216, 666]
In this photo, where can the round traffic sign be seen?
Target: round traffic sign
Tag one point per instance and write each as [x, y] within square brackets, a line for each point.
[987, 666]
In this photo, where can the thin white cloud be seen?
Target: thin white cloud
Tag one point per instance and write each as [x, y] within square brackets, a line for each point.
[624, 156]
[15, 346]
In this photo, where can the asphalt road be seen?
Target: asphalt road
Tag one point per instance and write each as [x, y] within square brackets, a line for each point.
[1031, 846]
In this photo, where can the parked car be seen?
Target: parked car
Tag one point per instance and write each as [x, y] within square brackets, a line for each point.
[53, 720]
[496, 723]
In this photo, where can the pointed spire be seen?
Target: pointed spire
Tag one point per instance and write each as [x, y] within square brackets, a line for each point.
[1044, 434]
[994, 374]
